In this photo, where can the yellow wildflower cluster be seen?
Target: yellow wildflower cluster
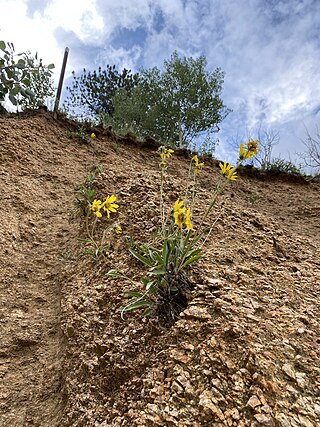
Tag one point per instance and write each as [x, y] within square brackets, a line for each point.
[93, 135]
[228, 171]
[198, 166]
[250, 150]
[108, 206]
[182, 215]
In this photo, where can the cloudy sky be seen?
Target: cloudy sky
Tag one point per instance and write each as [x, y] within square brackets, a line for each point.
[268, 49]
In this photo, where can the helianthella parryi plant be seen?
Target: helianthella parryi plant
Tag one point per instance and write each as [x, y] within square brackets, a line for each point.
[97, 240]
[176, 245]
[82, 135]
[87, 191]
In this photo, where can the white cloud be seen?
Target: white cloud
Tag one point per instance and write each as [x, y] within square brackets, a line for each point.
[78, 16]
[36, 32]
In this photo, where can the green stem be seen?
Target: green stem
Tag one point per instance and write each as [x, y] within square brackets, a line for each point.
[162, 200]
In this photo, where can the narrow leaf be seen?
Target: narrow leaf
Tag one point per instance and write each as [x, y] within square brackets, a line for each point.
[134, 294]
[141, 258]
[136, 305]
[13, 100]
[190, 261]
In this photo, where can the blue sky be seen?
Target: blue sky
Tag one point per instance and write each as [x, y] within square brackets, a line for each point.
[269, 51]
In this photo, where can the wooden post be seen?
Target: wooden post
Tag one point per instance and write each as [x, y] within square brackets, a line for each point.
[63, 69]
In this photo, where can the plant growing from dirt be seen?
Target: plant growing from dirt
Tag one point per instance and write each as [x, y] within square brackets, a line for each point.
[177, 244]
[96, 214]
[87, 191]
[82, 135]
[279, 165]
[97, 240]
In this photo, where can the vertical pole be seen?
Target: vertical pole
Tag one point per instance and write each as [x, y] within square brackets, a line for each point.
[63, 69]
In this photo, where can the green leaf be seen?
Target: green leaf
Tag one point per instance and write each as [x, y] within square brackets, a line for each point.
[149, 284]
[148, 311]
[13, 99]
[141, 258]
[113, 273]
[158, 271]
[190, 261]
[136, 305]
[10, 73]
[2, 45]
[51, 66]
[21, 63]
[26, 82]
[192, 252]
[15, 91]
[29, 93]
[134, 294]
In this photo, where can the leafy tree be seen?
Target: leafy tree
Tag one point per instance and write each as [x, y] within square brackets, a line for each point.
[175, 106]
[90, 94]
[17, 75]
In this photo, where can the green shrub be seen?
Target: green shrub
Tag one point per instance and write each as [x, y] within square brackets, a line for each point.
[21, 75]
[281, 165]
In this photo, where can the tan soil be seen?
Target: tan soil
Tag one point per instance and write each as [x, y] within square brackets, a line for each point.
[244, 353]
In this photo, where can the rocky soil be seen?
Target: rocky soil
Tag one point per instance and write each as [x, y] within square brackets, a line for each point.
[246, 350]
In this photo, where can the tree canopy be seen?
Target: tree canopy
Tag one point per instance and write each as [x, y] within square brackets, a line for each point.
[175, 105]
[90, 94]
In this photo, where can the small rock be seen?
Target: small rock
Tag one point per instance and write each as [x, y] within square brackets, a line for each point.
[207, 402]
[253, 402]
[197, 312]
[283, 420]
[289, 371]
[301, 379]
[264, 420]
[177, 387]
[232, 413]
[212, 342]
[266, 409]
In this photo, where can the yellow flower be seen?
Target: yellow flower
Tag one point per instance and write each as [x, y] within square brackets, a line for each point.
[178, 204]
[187, 220]
[249, 151]
[253, 146]
[182, 215]
[228, 171]
[163, 164]
[109, 205]
[179, 217]
[165, 153]
[93, 135]
[244, 153]
[198, 165]
[118, 229]
[96, 207]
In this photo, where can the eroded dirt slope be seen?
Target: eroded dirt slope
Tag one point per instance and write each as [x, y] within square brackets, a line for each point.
[244, 353]
[39, 169]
